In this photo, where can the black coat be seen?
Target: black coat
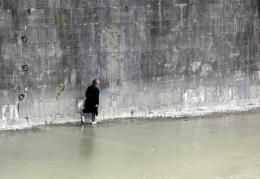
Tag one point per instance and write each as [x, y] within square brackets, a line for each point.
[92, 99]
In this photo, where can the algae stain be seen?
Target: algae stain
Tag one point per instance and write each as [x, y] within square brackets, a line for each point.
[63, 17]
[124, 8]
[60, 89]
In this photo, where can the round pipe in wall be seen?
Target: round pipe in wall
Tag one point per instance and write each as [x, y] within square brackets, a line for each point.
[21, 96]
[24, 39]
[25, 67]
[29, 11]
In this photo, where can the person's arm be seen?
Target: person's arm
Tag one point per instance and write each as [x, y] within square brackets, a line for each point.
[87, 92]
[97, 97]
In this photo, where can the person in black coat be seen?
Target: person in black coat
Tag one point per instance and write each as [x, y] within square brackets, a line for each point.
[92, 101]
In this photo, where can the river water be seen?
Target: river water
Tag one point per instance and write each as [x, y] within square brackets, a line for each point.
[216, 148]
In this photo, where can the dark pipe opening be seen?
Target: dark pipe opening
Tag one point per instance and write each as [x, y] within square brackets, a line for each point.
[24, 39]
[29, 11]
[21, 96]
[25, 68]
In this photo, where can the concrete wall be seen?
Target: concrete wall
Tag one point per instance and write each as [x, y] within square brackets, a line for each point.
[151, 55]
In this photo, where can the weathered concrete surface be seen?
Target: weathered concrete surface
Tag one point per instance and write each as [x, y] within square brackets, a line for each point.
[151, 55]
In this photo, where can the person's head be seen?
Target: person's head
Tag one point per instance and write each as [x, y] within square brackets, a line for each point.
[94, 82]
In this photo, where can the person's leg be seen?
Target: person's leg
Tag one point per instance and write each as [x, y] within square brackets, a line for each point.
[93, 117]
[83, 117]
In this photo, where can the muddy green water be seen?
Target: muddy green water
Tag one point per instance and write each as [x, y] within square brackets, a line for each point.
[205, 148]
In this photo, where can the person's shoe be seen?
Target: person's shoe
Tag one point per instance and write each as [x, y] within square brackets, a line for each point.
[94, 123]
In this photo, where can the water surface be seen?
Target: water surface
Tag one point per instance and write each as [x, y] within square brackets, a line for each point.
[205, 148]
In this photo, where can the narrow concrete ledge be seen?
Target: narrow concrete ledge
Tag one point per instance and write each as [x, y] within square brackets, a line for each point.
[74, 119]
[15, 125]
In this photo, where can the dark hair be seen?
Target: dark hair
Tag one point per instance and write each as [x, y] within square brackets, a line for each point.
[94, 82]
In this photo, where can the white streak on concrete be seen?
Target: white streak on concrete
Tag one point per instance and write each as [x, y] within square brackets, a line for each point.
[4, 107]
[181, 6]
